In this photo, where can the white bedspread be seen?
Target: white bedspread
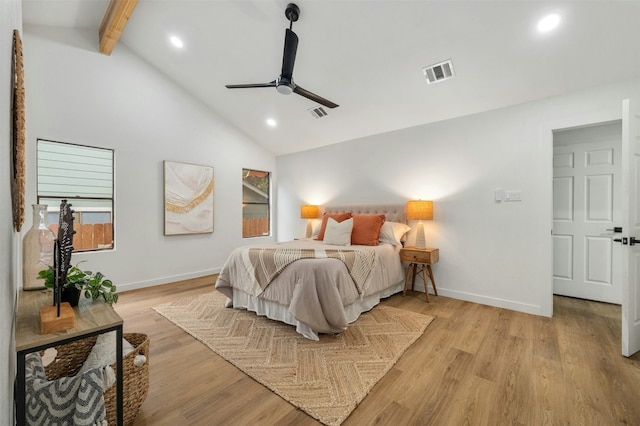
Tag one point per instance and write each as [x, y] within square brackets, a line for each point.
[314, 294]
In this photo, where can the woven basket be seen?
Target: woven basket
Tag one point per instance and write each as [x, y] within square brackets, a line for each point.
[71, 356]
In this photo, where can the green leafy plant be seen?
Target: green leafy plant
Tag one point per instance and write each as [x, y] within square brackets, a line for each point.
[94, 284]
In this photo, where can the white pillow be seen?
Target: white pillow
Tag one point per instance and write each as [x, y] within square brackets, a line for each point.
[338, 234]
[104, 352]
[392, 232]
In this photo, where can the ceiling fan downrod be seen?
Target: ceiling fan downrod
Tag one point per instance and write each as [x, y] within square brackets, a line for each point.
[292, 13]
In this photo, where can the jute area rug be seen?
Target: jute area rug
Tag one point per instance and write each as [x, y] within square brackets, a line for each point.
[326, 379]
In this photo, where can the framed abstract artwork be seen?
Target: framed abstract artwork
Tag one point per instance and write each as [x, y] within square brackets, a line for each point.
[188, 198]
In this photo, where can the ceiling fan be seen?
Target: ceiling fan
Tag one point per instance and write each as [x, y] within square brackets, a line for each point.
[284, 84]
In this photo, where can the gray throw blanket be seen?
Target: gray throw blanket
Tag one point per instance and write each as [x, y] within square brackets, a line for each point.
[68, 401]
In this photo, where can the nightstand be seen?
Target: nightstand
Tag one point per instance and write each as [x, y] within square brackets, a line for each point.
[420, 260]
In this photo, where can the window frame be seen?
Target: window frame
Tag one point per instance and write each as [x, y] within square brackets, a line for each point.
[78, 213]
[259, 192]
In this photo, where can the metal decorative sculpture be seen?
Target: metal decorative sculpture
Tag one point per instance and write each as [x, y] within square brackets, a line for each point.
[62, 251]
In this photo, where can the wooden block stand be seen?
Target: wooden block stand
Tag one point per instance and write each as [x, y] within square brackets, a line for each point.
[50, 322]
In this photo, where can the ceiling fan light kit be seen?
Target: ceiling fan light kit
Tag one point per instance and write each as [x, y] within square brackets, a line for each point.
[284, 89]
[284, 83]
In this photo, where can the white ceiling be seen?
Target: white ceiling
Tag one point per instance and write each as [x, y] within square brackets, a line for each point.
[367, 56]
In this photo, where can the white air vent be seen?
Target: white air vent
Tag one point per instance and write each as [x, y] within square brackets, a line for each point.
[439, 72]
[318, 112]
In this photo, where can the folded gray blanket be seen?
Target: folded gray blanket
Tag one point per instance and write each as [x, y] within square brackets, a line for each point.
[77, 400]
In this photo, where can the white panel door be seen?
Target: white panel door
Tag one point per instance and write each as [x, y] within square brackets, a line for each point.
[586, 207]
[631, 213]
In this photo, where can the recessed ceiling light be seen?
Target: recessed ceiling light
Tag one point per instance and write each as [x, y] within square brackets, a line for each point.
[176, 42]
[271, 122]
[548, 23]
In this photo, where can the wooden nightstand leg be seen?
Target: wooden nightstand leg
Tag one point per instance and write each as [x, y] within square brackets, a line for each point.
[406, 280]
[413, 278]
[426, 285]
[433, 280]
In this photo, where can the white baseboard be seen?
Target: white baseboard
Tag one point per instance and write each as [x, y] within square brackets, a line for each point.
[166, 280]
[454, 294]
[490, 301]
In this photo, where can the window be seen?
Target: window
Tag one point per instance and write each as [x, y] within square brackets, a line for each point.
[82, 175]
[255, 203]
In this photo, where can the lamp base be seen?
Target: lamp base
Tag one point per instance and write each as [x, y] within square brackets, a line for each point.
[420, 240]
[309, 230]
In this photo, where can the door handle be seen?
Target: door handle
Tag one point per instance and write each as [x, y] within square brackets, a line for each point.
[615, 229]
[624, 240]
[633, 241]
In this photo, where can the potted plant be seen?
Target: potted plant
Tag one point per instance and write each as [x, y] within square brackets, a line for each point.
[94, 284]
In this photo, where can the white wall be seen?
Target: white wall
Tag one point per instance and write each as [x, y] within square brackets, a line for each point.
[10, 19]
[77, 95]
[493, 253]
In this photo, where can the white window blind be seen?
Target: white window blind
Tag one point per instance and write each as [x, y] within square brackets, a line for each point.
[74, 171]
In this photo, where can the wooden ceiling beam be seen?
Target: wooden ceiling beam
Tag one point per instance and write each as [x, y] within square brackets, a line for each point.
[113, 23]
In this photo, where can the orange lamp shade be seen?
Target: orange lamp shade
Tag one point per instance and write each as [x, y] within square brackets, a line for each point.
[308, 211]
[419, 210]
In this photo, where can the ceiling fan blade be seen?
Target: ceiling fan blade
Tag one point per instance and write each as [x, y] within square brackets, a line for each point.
[250, 86]
[307, 94]
[289, 55]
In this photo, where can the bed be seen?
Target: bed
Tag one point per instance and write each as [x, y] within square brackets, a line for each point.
[319, 286]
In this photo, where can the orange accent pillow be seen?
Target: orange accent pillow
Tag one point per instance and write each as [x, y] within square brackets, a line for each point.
[366, 229]
[338, 217]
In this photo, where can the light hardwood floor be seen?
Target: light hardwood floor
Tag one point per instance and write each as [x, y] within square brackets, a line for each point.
[474, 365]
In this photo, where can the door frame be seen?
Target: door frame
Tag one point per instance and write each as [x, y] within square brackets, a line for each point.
[592, 291]
[546, 138]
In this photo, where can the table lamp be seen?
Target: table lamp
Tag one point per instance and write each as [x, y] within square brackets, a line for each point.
[420, 210]
[308, 211]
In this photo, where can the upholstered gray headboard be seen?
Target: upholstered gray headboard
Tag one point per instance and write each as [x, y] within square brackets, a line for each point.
[393, 212]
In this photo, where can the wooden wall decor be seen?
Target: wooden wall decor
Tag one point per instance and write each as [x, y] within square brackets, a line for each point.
[17, 133]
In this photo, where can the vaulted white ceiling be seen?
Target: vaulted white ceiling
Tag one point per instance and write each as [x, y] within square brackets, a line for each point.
[367, 56]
